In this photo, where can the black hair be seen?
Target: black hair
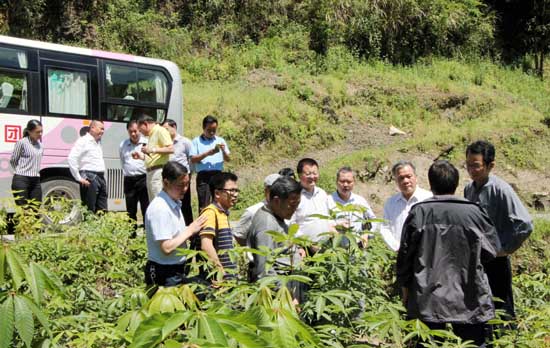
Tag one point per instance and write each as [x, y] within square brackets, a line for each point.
[305, 161]
[171, 123]
[402, 164]
[144, 118]
[217, 182]
[283, 187]
[289, 172]
[483, 148]
[345, 169]
[443, 178]
[172, 170]
[31, 125]
[130, 124]
[208, 119]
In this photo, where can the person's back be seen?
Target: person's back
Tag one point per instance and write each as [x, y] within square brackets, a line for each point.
[441, 256]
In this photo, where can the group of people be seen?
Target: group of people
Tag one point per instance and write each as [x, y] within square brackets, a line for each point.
[453, 256]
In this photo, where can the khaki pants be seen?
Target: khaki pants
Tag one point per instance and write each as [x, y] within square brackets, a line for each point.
[154, 183]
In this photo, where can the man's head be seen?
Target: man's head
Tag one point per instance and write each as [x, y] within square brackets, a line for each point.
[480, 160]
[209, 126]
[284, 197]
[145, 124]
[224, 189]
[308, 172]
[404, 175]
[287, 172]
[133, 131]
[171, 126]
[175, 180]
[443, 177]
[268, 181]
[345, 182]
[97, 129]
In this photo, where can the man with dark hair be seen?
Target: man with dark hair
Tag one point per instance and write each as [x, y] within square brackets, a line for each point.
[182, 154]
[133, 169]
[512, 221]
[166, 231]
[242, 229]
[208, 153]
[155, 154]
[216, 237]
[287, 172]
[284, 198]
[445, 244]
[314, 200]
[88, 167]
[397, 206]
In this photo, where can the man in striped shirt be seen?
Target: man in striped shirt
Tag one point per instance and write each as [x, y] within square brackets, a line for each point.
[216, 236]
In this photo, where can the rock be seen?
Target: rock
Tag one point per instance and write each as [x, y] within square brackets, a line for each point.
[396, 131]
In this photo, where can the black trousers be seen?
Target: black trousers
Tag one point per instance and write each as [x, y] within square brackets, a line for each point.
[499, 272]
[203, 189]
[28, 188]
[94, 196]
[135, 191]
[186, 209]
[164, 275]
[481, 333]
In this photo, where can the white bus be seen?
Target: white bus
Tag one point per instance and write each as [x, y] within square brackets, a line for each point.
[65, 87]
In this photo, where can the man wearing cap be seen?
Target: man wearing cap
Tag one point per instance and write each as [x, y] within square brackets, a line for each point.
[155, 154]
[242, 229]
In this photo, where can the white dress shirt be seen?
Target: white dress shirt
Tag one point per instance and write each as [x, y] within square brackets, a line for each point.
[131, 166]
[86, 154]
[397, 208]
[355, 218]
[315, 202]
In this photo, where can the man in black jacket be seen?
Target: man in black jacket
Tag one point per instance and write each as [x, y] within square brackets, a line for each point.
[445, 242]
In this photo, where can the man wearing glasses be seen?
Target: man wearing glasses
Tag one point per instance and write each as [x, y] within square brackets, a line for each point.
[216, 237]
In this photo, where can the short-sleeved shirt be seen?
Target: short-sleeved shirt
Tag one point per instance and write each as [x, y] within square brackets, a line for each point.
[163, 221]
[354, 217]
[511, 218]
[159, 137]
[182, 151]
[131, 166]
[315, 202]
[202, 144]
[217, 225]
[243, 226]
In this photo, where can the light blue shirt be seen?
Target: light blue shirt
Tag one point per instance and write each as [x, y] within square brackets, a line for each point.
[163, 221]
[213, 162]
[131, 166]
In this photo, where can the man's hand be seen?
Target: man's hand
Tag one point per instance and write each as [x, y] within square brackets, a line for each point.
[84, 182]
[197, 225]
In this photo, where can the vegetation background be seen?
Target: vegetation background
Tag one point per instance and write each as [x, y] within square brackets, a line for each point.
[290, 78]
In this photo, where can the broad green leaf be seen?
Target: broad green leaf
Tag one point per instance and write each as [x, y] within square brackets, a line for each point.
[243, 335]
[211, 330]
[149, 332]
[175, 321]
[172, 344]
[7, 322]
[24, 322]
[35, 282]
[305, 332]
[16, 267]
[51, 281]
[42, 318]
[3, 248]
[164, 301]
[320, 306]
[283, 337]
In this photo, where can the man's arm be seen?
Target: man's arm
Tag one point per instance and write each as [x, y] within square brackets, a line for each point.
[169, 245]
[519, 224]
[407, 252]
[207, 245]
[73, 160]
[200, 157]
[14, 160]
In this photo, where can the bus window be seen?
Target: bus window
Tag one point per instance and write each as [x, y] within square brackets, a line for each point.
[67, 92]
[13, 91]
[12, 58]
[152, 86]
[142, 85]
[125, 113]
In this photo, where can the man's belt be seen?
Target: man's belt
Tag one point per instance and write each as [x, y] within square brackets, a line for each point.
[150, 169]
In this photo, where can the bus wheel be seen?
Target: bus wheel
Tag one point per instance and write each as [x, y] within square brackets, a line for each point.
[61, 201]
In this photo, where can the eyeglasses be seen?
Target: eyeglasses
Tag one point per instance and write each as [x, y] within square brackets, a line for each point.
[231, 191]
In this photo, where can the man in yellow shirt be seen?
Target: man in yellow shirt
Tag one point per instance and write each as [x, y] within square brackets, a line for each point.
[156, 153]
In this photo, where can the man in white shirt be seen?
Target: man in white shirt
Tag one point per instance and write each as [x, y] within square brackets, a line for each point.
[345, 182]
[241, 230]
[314, 200]
[88, 167]
[133, 169]
[397, 206]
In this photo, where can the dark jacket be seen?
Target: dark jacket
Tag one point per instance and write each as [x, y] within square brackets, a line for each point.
[444, 244]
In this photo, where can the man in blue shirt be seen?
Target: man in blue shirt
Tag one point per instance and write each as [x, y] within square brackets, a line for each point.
[208, 153]
[166, 231]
